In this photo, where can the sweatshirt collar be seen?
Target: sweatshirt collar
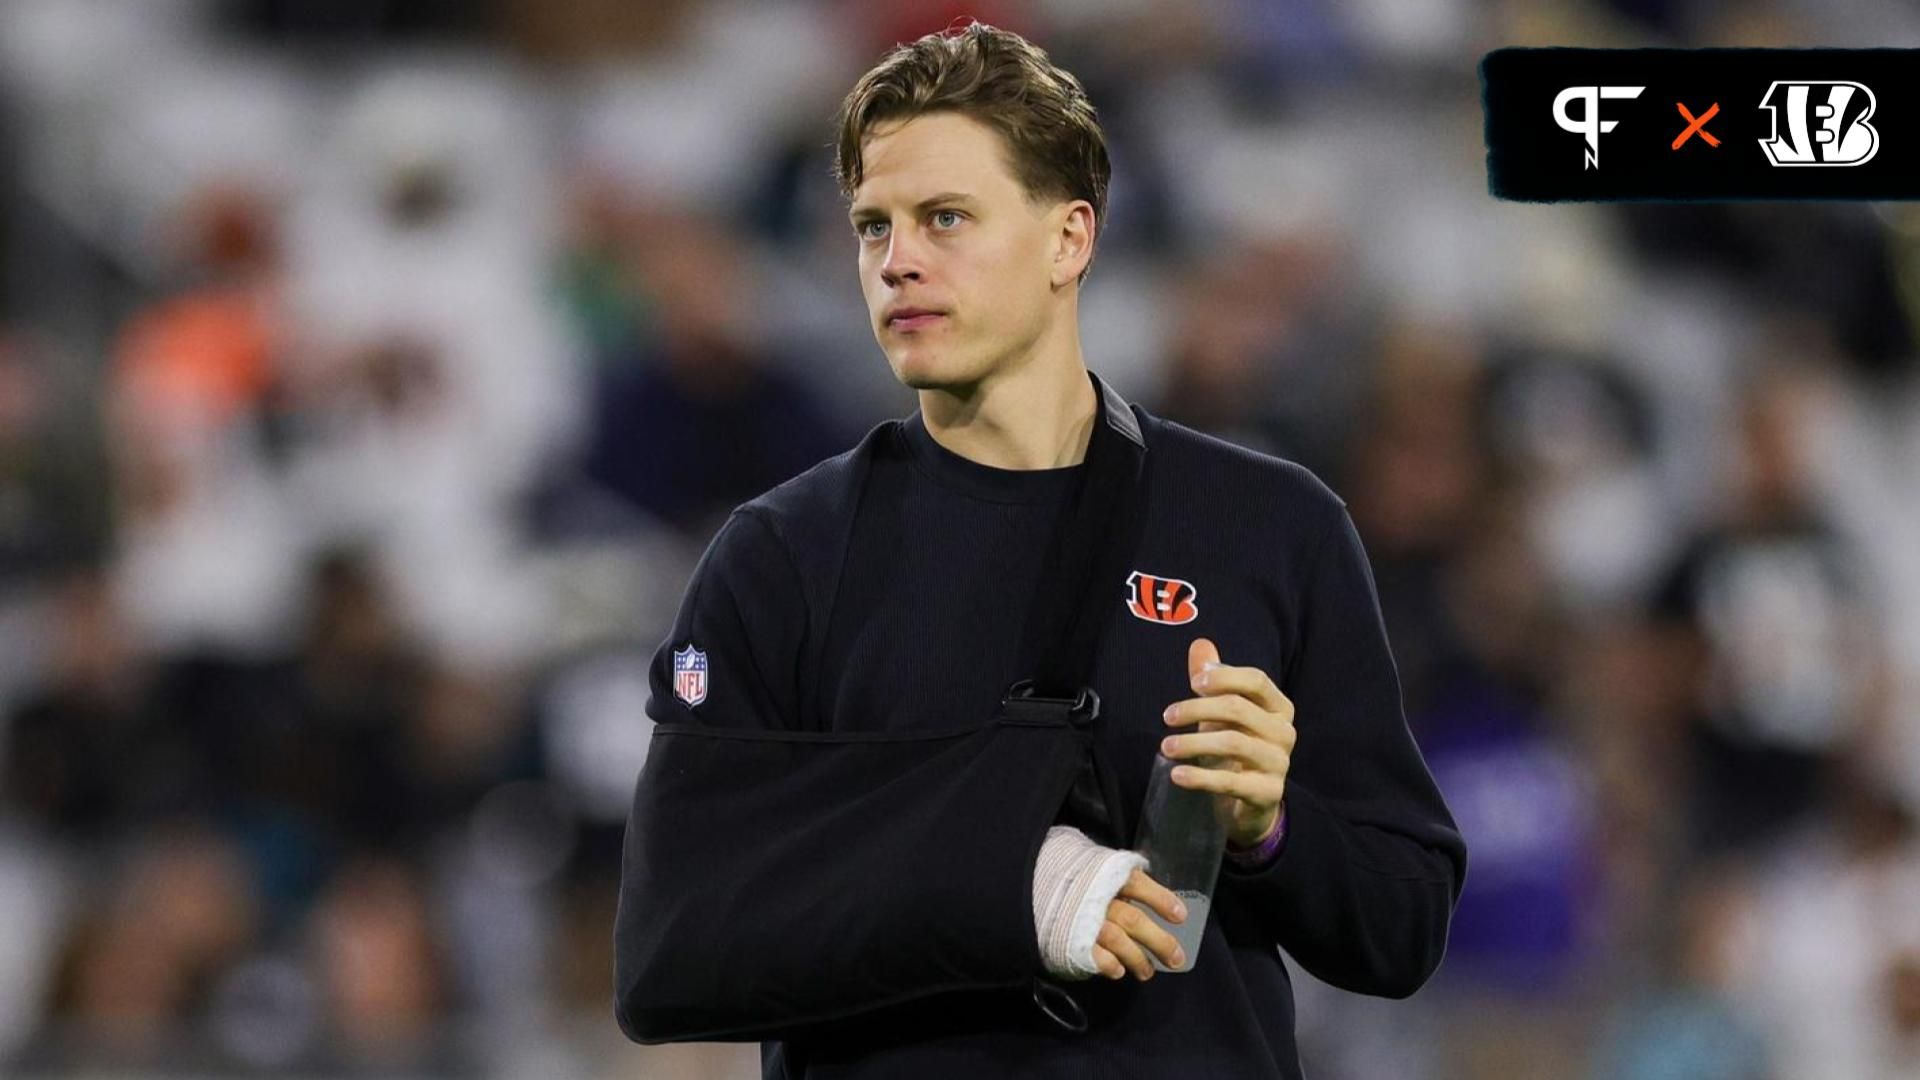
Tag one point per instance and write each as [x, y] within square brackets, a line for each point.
[1014, 485]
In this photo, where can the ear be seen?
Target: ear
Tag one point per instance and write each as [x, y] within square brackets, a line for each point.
[1073, 233]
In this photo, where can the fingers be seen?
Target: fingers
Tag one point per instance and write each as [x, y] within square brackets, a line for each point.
[1258, 787]
[1139, 886]
[1248, 682]
[1235, 712]
[1128, 957]
[1225, 746]
[1129, 939]
[1129, 935]
[1231, 710]
[1201, 654]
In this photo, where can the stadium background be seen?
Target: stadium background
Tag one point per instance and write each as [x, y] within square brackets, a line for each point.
[371, 374]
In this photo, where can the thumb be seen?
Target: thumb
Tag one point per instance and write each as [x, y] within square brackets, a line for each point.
[1200, 654]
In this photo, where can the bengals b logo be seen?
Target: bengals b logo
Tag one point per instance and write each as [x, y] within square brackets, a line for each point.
[1161, 600]
[1825, 123]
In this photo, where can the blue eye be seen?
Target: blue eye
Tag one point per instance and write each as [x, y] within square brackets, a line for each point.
[939, 217]
[865, 229]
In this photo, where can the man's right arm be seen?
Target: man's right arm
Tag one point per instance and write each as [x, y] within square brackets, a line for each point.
[774, 877]
[744, 616]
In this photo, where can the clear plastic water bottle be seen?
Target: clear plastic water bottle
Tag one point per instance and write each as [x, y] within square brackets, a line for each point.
[1183, 834]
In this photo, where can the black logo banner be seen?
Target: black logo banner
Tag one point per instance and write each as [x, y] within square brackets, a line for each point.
[1702, 124]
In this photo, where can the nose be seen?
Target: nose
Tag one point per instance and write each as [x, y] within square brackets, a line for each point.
[904, 260]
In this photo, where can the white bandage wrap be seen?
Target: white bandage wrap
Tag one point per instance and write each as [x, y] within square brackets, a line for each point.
[1074, 881]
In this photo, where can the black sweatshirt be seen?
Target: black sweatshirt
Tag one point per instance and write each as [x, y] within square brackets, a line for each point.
[833, 840]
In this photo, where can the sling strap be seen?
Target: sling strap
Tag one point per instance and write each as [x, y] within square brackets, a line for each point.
[1088, 550]
[1091, 544]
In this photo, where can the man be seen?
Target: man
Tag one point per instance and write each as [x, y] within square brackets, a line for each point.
[856, 839]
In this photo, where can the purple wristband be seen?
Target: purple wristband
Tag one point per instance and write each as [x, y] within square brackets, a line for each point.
[1263, 853]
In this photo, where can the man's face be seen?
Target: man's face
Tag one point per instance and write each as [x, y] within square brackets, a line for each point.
[945, 228]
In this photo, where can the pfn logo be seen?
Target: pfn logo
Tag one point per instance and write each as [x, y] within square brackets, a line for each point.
[1589, 124]
[1826, 124]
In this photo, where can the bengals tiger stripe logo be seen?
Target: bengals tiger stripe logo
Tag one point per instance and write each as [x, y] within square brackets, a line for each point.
[1164, 600]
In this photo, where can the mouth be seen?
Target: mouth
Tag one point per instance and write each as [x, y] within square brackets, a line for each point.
[909, 321]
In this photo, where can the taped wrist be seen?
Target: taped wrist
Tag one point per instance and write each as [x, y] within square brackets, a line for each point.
[1074, 881]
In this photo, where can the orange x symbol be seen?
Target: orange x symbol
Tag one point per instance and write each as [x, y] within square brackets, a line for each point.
[1699, 125]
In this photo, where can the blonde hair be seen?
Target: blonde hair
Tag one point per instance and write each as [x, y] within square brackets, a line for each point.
[1053, 137]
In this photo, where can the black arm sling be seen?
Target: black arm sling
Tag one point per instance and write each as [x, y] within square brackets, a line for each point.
[910, 851]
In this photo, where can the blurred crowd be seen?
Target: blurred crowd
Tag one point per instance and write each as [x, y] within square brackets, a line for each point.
[373, 372]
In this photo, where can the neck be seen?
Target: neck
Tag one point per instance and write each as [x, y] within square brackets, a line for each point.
[1038, 415]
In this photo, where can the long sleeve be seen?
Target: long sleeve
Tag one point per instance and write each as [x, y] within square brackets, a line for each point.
[1364, 889]
[745, 616]
[774, 877]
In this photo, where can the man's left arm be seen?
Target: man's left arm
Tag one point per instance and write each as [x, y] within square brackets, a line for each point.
[1360, 887]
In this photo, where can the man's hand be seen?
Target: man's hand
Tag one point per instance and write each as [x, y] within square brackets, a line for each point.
[1128, 933]
[1246, 728]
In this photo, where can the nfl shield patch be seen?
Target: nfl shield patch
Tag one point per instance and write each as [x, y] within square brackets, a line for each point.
[690, 675]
